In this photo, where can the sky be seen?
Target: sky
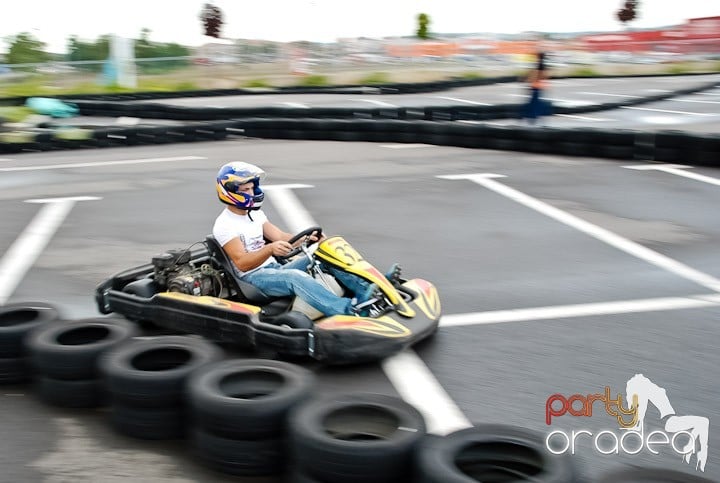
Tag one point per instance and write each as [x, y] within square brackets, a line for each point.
[178, 21]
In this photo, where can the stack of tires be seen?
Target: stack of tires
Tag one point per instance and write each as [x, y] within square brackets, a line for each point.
[145, 380]
[16, 322]
[354, 438]
[490, 452]
[239, 410]
[65, 359]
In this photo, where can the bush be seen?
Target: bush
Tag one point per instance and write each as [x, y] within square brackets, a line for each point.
[314, 80]
[471, 75]
[583, 72]
[376, 78]
[256, 83]
[15, 113]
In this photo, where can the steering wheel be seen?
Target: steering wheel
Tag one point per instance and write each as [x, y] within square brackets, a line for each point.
[313, 230]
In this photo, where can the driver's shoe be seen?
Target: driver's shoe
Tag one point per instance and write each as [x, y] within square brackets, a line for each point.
[393, 274]
[364, 300]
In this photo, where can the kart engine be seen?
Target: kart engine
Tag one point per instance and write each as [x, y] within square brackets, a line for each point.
[174, 271]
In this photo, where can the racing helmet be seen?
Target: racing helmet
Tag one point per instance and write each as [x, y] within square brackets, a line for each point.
[235, 174]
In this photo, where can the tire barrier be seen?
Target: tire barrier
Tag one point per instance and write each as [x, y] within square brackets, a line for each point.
[145, 380]
[239, 410]
[65, 356]
[351, 89]
[258, 418]
[354, 438]
[428, 113]
[661, 146]
[491, 453]
[17, 320]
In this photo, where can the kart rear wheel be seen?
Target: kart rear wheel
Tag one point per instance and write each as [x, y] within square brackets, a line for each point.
[144, 288]
[293, 320]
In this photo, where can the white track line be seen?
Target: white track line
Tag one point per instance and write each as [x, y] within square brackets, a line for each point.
[594, 231]
[406, 371]
[466, 101]
[100, 164]
[404, 146]
[677, 170]
[32, 241]
[668, 111]
[377, 103]
[581, 310]
[417, 385]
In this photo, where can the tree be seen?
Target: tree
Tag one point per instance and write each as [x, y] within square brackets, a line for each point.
[212, 20]
[26, 49]
[423, 30]
[97, 51]
[629, 12]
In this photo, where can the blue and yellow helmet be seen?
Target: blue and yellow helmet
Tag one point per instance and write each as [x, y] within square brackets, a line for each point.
[235, 174]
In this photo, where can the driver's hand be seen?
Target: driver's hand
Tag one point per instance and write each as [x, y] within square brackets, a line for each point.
[280, 248]
[315, 238]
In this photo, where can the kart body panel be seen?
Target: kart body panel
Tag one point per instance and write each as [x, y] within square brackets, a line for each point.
[413, 313]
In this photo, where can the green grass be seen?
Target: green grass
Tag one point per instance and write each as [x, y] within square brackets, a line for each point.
[375, 78]
[15, 113]
[680, 68]
[583, 72]
[314, 80]
[471, 75]
[257, 83]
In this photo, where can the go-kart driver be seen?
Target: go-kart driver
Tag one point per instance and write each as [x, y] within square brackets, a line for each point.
[241, 230]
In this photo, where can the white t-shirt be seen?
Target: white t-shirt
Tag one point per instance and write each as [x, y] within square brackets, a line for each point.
[229, 225]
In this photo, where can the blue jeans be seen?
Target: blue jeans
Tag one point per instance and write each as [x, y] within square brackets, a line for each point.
[292, 278]
[536, 106]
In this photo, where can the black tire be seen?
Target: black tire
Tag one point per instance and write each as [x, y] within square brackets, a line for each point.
[14, 370]
[262, 457]
[296, 475]
[153, 372]
[490, 453]
[149, 423]
[247, 399]
[70, 350]
[17, 320]
[650, 475]
[145, 287]
[88, 393]
[294, 320]
[355, 438]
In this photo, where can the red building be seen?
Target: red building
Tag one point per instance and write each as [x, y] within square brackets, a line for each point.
[696, 36]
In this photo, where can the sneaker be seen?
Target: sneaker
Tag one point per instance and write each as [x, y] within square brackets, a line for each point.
[364, 300]
[370, 294]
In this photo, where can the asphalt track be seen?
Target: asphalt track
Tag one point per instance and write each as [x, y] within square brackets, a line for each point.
[564, 276]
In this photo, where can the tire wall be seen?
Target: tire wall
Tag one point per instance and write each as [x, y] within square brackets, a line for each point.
[663, 146]
[430, 125]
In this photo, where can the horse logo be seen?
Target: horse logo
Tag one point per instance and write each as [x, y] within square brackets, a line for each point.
[697, 427]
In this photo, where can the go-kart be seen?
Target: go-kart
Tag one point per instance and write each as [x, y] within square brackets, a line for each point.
[195, 290]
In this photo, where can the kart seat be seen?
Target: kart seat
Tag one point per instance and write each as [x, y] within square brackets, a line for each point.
[248, 291]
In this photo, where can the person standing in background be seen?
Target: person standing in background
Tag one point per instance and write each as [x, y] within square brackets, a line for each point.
[536, 106]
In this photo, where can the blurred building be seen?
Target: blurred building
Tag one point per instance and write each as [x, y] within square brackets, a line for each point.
[696, 36]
